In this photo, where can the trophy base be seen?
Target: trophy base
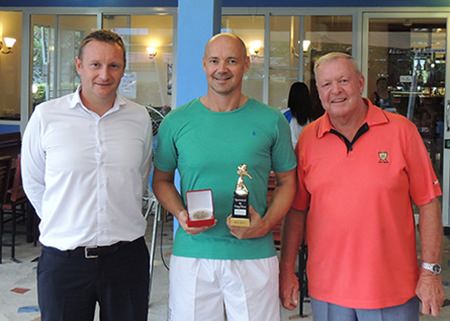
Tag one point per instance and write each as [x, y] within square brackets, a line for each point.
[239, 222]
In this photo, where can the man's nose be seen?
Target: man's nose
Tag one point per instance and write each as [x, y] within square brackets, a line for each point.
[335, 87]
[104, 72]
[222, 66]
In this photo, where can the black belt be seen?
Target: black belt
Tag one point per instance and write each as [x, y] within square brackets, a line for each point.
[95, 252]
[90, 252]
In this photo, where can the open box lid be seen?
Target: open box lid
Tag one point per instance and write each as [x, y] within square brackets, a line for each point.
[200, 207]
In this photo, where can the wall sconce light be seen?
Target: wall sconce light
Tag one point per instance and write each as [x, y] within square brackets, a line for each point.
[305, 45]
[151, 52]
[255, 47]
[7, 44]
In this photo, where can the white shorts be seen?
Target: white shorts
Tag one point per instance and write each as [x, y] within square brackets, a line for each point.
[207, 290]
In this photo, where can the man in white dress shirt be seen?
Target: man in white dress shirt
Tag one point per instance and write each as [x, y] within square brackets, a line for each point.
[85, 163]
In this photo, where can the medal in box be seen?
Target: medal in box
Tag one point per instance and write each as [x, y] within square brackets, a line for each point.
[200, 207]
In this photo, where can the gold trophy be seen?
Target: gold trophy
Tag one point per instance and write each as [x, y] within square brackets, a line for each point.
[239, 214]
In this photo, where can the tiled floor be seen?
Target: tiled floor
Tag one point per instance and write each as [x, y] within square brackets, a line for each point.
[18, 283]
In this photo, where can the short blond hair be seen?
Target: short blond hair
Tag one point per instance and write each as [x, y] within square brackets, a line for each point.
[334, 56]
[103, 35]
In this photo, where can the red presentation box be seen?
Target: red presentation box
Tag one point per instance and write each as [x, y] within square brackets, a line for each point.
[200, 207]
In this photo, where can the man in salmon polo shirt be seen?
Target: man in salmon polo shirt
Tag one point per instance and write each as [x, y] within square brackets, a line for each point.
[360, 170]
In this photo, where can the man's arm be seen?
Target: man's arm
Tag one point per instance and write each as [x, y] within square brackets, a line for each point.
[167, 194]
[33, 163]
[293, 234]
[429, 287]
[147, 154]
[281, 202]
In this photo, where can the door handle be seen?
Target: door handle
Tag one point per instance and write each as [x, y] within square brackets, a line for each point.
[447, 115]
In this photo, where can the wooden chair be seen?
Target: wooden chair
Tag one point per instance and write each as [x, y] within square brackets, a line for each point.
[5, 171]
[14, 207]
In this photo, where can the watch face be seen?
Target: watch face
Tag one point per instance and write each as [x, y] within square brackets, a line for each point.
[436, 268]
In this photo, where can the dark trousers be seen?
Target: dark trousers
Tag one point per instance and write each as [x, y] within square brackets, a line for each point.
[70, 285]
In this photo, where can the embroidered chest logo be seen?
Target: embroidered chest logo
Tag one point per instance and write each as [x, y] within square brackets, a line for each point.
[383, 157]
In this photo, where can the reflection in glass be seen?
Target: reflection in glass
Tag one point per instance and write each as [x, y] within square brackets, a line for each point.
[410, 55]
[251, 30]
[327, 34]
[148, 76]
[284, 58]
[56, 40]
[10, 65]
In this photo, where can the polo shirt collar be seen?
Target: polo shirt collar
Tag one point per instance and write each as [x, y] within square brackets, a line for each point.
[375, 116]
[76, 101]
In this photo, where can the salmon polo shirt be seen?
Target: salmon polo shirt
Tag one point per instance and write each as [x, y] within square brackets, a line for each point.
[359, 195]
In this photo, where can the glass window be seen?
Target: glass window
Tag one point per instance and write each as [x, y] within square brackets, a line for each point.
[324, 34]
[55, 43]
[10, 65]
[406, 74]
[251, 30]
[284, 57]
[296, 40]
[149, 39]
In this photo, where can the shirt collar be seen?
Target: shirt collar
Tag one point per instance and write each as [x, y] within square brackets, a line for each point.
[375, 116]
[76, 101]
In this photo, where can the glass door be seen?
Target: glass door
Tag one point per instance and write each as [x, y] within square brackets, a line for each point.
[295, 43]
[405, 62]
[55, 43]
[149, 45]
[251, 30]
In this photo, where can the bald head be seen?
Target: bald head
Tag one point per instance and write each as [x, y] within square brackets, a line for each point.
[227, 36]
[225, 62]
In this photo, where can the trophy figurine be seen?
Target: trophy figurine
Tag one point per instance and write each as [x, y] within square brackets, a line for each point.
[240, 215]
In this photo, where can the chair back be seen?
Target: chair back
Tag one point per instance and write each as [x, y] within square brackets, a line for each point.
[16, 191]
[5, 172]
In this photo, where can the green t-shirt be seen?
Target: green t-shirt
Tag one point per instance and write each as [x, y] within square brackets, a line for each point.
[206, 147]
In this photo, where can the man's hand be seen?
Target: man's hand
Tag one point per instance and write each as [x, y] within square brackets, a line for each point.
[289, 287]
[257, 228]
[429, 290]
[182, 219]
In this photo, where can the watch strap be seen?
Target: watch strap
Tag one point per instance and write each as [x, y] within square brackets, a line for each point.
[434, 268]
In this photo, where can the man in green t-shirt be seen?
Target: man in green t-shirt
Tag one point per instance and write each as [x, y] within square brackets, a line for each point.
[221, 271]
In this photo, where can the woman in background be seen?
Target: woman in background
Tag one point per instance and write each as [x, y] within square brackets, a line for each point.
[299, 111]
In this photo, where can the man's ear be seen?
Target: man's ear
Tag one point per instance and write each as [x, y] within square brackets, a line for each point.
[204, 64]
[361, 82]
[77, 64]
[247, 63]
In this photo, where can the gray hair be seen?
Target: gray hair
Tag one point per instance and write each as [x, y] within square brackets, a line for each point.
[334, 56]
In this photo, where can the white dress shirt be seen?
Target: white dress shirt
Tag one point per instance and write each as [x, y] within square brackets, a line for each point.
[85, 174]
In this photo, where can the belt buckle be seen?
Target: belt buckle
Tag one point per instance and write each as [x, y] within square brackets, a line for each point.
[89, 256]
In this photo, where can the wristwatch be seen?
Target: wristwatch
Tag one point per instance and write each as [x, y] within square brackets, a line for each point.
[434, 268]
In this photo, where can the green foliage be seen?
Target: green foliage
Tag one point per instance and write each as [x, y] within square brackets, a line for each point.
[39, 96]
